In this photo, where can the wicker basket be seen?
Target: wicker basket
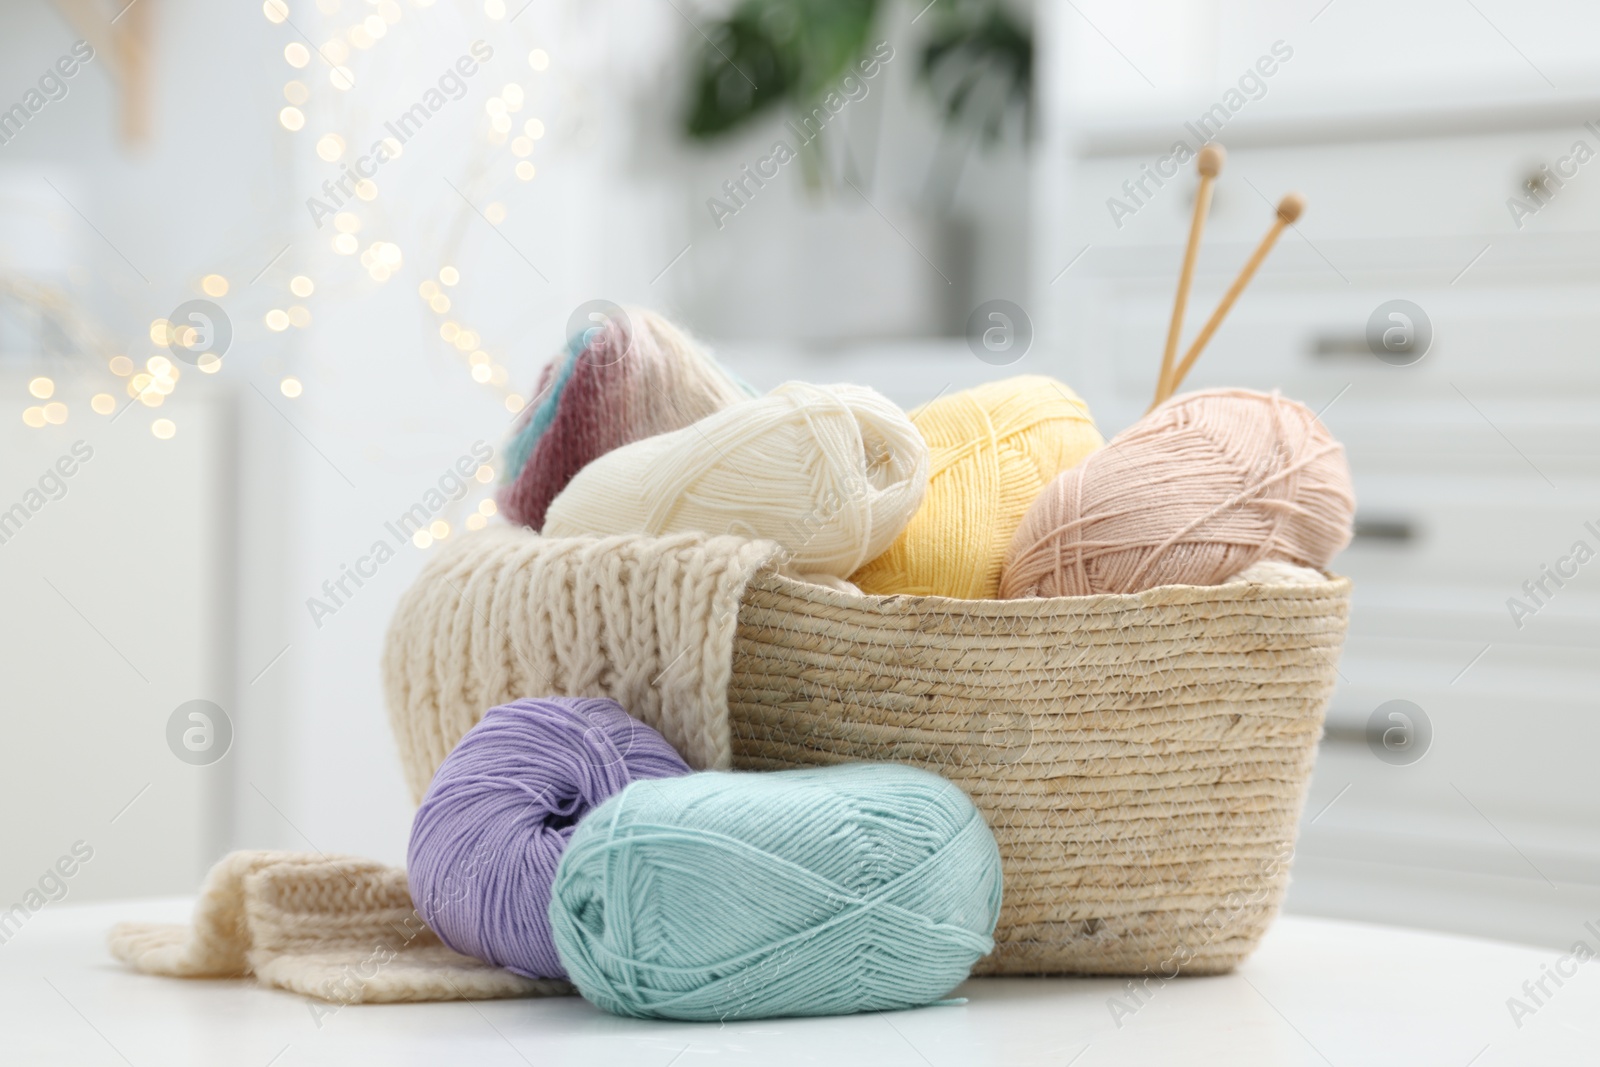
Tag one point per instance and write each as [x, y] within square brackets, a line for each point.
[1143, 759]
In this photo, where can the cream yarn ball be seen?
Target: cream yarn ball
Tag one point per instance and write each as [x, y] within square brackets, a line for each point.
[832, 473]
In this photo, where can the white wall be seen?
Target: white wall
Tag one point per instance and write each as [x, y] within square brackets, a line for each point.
[144, 540]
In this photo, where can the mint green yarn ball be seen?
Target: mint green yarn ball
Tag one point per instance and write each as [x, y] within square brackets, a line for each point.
[861, 887]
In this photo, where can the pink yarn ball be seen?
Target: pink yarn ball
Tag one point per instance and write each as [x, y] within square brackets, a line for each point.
[635, 376]
[1196, 491]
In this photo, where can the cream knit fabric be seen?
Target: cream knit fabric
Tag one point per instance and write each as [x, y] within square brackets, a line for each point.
[332, 927]
[503, 614]
[647, 621]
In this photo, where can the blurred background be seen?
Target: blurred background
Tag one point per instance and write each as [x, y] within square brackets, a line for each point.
[381, 219]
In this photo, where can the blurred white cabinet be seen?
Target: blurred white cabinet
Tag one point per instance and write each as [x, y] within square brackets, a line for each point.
[112, 590]
[1475, 468]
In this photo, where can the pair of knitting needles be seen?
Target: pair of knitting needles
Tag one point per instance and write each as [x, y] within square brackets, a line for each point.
[1209, 164]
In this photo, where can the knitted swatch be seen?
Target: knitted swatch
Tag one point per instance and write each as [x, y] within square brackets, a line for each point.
[332, 927]
[647, 621]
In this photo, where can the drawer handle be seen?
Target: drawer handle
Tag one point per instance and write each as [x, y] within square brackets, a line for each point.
[1354, 345]
[1340, 346]
[1386, 530]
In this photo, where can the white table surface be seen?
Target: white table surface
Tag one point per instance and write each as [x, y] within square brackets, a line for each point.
[1317, 992]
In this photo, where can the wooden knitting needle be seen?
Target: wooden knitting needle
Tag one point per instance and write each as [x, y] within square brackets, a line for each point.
[1289, 209]
[1209, 164]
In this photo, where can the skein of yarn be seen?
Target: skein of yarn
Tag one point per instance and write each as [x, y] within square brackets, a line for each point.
[491, 830]
[1279, 572]
[831, 473]
[1198, 490]
[993, 449]
[859, 887]
[630, 377]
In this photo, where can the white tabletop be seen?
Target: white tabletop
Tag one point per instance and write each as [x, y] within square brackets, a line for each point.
[1317, 992]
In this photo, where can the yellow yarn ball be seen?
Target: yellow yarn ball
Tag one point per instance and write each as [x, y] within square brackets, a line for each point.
[993, 450]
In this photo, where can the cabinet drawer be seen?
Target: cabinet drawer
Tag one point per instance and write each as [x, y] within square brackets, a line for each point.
[1310, 339]
[1389, 189]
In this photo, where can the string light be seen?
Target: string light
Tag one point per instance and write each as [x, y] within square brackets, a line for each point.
[121, 366]
[55, 413]
[214, 285]
[103, 403]
[484, 474]
[476, 522]
[382, 259]
[43, 388]
[33, 416]
[363, 29]
[209, 362]
[164, 429]
[439, 529]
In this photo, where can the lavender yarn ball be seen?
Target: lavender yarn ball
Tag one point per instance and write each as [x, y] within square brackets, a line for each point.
[503, 805]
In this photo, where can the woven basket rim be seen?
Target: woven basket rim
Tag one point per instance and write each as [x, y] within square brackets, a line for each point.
[1334, 586]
